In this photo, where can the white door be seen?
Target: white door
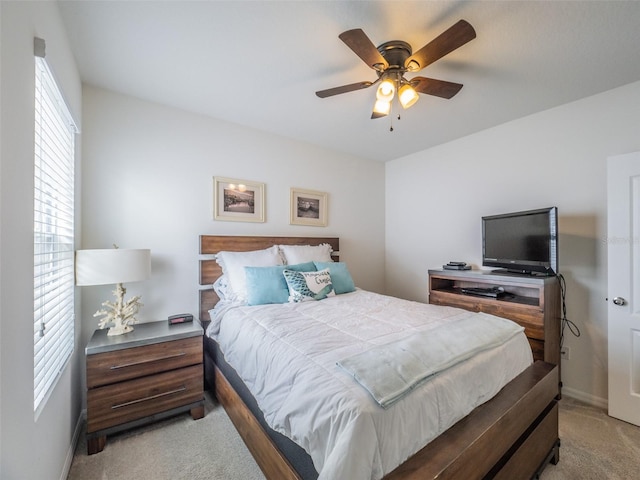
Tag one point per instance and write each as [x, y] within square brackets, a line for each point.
[623, 184]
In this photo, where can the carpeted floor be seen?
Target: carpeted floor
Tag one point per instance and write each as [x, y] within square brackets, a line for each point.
[177, 448]
[594, 446]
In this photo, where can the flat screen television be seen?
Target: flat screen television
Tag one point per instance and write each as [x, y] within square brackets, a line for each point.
[522, 242]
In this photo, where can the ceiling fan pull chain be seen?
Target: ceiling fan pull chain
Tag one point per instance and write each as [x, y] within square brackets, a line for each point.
[391, 122]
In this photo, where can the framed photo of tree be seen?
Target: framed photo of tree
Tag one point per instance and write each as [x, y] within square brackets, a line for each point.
[238, 200]
[308, 207]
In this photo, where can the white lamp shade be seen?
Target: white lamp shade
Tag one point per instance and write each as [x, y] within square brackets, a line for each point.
[382, 108]
[407, 96]
[110, 266]
[386, 90]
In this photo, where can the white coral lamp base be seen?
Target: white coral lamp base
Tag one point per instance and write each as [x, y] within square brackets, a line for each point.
[119, 314]
[119, 328]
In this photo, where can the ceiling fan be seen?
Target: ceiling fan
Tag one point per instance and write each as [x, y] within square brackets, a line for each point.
[393, 59]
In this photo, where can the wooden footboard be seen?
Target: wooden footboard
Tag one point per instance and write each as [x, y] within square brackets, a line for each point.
[486, 441]
[510, 436]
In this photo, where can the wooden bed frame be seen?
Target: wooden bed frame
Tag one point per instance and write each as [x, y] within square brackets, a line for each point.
[513, 435]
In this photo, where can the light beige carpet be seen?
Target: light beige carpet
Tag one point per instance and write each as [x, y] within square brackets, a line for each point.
[172, 449]
[594, 446]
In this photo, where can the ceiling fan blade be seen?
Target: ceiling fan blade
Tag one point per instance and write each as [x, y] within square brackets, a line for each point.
[439, 88]
[343, 89]
[456, 36]
[358, 41]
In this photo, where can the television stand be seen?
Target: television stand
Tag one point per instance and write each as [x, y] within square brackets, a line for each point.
[531, 301]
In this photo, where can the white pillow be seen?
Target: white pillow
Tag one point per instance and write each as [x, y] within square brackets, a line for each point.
[305, 286]
[222, 288]
[233, 264]
[294, 254]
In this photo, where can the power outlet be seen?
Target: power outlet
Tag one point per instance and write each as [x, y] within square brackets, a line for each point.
[565, 353]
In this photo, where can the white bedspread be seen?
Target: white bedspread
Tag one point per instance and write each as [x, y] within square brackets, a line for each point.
[287, 354]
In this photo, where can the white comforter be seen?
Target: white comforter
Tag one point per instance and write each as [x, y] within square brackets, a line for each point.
[287, 354]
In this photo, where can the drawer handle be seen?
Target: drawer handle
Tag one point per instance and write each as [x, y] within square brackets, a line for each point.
[148, 360]
[152, 397]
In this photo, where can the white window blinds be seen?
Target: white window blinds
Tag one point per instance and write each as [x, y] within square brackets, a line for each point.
[53, 239]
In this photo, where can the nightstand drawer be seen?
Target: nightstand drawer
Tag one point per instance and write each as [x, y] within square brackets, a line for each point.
[127, 401]
[119, 365]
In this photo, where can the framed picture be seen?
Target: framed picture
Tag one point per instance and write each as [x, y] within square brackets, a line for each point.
[308, 207]
[238, 200]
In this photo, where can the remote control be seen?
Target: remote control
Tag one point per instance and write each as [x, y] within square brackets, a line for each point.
[457, 264]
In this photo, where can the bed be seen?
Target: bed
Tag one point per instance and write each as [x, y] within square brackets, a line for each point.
[513, 435]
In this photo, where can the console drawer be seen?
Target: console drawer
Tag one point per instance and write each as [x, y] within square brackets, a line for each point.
[123, 402]
[120, 365]
[530, 317]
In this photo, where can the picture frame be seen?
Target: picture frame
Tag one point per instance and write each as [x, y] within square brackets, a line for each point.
[308, 207]
[238, 200]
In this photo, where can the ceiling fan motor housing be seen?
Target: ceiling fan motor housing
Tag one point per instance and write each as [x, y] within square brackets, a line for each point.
[395, 53]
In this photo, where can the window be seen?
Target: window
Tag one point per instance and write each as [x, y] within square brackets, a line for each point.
[53, 238]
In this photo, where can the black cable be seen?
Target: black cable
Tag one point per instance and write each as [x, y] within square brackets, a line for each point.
[565, 322]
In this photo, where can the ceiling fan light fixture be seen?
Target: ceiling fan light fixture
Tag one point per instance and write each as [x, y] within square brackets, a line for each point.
[407, 95]
[381, 108]
[386, 90]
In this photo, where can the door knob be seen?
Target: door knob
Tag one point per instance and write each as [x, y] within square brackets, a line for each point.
[619, 301]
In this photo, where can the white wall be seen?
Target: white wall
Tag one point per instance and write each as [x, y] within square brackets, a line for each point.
[435, 200]
[148, 183]
[30, 448]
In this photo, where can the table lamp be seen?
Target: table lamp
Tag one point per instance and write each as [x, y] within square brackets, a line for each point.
[109, 266]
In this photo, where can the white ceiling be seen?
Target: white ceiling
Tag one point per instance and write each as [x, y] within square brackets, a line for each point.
[259, 63]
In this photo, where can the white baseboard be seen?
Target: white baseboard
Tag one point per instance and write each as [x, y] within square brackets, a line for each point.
[74, 443]
[586, 398]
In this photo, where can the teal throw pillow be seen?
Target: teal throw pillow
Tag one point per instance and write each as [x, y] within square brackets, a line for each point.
[340, 276]
[267, 284]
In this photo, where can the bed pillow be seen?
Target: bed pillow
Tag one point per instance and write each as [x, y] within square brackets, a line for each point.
[305, 286]
[233, 264]
[294, 254]
[340, 276]
[268, 285]
[222, 288]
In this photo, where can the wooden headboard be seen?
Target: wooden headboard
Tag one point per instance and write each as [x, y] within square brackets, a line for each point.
[212, 244]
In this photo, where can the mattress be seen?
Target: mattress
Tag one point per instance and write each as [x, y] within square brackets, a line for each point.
[287, 356]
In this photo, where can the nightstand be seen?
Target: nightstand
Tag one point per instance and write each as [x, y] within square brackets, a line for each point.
[153, 372]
